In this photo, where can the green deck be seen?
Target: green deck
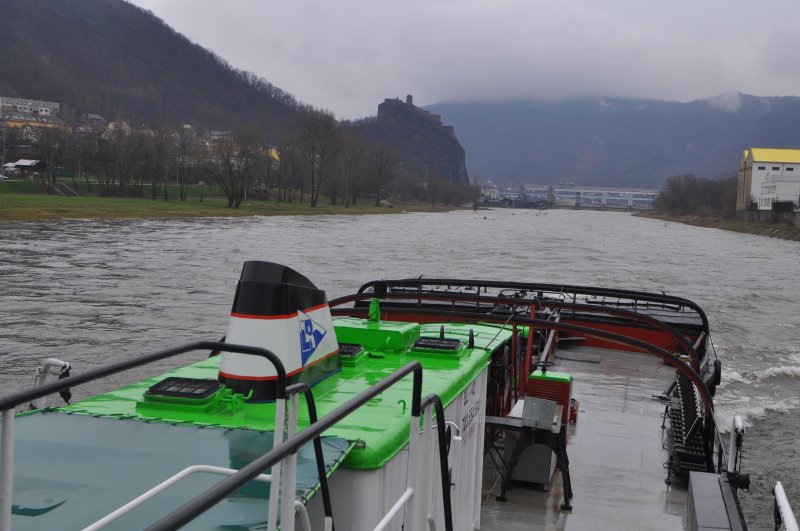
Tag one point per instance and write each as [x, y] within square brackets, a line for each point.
[380, 427]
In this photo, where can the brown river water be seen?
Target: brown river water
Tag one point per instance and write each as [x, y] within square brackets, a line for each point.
[91, 292]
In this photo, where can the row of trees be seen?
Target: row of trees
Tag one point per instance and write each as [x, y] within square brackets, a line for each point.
[322, 157]
[120, 162]
[689, 194]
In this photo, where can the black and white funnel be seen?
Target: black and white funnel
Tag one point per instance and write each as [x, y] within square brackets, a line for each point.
[278, 309]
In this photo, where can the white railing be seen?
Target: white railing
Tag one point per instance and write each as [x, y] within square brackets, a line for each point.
[50, 367]
[735, 444]
[784, 516]
[161, 487]
[395, 510]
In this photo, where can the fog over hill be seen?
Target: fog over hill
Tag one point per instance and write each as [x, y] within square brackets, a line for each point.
[626, 142]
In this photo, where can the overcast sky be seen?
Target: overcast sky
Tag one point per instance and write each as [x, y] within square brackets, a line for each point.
[348, 55]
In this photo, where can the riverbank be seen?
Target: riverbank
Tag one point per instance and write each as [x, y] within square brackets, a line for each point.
[782, 231]
[29, 207]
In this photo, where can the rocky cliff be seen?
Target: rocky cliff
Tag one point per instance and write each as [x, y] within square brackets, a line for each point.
[425, 146]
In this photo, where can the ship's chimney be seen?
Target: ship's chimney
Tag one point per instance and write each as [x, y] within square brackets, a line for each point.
[409, 100]
[279, 309]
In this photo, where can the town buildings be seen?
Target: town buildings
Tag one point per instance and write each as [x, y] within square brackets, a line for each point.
[28, 107]
[569, 195]
[29, 116]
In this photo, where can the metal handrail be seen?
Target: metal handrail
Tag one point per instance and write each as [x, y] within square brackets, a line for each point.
[687, 347]
[536, 287]
[312, 418]
[201, 503]
[9, 403]
[665, 355]
[436, 402]
[783, 511]
[29, 395]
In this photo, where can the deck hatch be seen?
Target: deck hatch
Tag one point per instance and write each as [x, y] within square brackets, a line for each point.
[431, 343]
[184, 388]
[350, 350]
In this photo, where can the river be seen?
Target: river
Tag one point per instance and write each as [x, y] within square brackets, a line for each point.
[96, 291]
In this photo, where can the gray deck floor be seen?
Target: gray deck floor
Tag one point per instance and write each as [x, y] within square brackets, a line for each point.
[615, 454]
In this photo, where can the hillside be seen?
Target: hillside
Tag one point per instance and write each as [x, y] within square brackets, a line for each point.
[115, 59]
[618, 141]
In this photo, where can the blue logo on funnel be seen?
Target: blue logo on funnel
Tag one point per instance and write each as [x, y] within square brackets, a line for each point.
[311, 334]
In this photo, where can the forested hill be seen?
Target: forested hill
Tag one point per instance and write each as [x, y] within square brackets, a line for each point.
[618, 141]
[115, 59]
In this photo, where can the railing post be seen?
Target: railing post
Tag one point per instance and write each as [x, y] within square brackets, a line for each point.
[6, 469]
[783, 509]
[415, 448]
[428, 467]
[274, 489]
[737, 432]
[290, 473]
[456, 487]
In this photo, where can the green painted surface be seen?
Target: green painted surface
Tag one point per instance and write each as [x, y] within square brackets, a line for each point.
[382, 336]
[380, 426]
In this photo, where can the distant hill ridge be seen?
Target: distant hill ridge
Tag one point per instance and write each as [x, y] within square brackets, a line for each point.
[115, 59]
[625, 142]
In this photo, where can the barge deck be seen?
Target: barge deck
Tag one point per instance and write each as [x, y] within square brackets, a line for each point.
[616, 458]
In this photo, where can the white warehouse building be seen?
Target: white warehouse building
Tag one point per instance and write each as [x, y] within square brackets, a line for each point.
[768, 175]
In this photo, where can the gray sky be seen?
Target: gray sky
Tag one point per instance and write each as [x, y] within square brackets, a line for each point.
[348, 55]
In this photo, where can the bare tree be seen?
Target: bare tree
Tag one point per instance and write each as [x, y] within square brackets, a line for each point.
[289, 170]
[54, 146]
[437, 187]
[318, 139]
[113, 160]
[381, 167]
[158, 142]
[232, 164]
[183, 149]
[475, 191]
[352, 163]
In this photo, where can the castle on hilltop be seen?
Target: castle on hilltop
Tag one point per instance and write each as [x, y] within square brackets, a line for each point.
[391, 106]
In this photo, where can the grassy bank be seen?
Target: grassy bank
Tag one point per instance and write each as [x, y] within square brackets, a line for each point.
[782, 231]
[19, 206]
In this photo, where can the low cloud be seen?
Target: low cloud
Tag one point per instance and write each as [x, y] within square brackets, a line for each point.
[730, 102]
[348, 55]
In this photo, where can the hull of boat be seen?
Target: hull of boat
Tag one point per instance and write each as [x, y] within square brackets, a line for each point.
[374, 492]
